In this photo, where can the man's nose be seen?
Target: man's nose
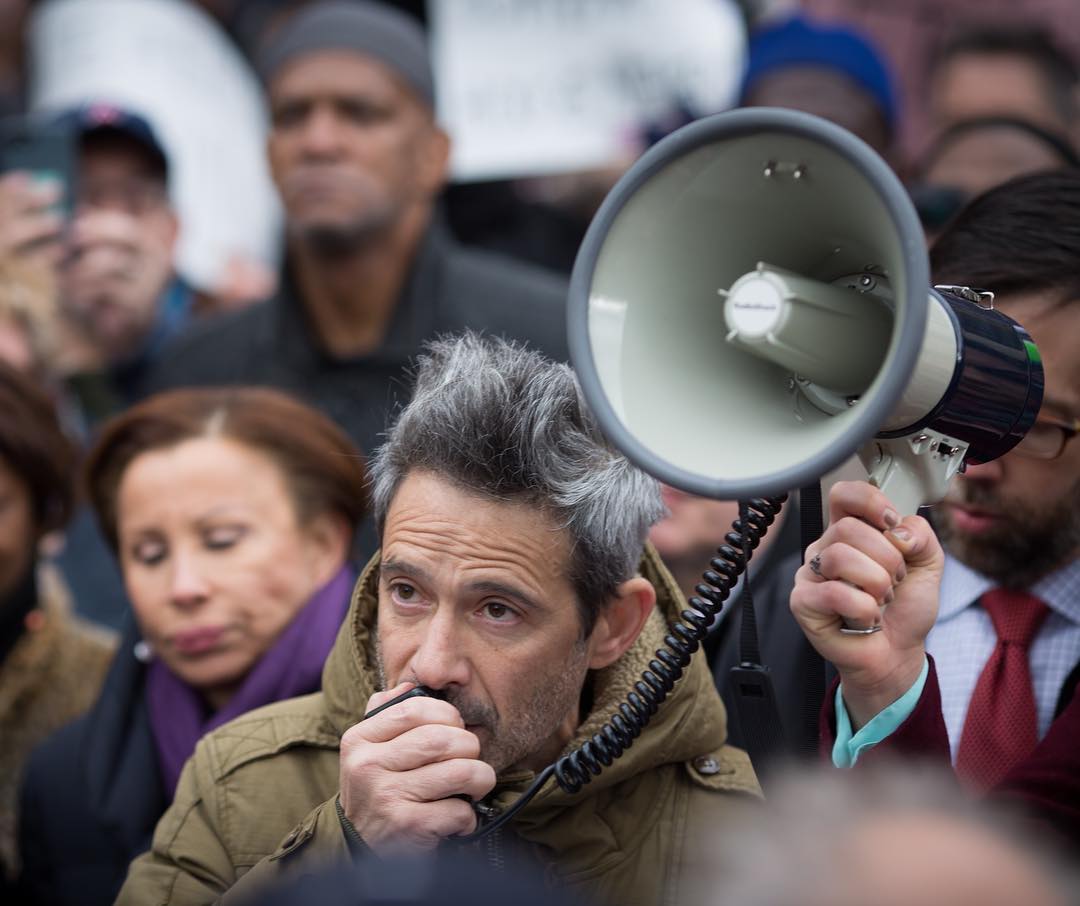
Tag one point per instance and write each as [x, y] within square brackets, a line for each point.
[986, 472]
[189, 588]
[439, 659]
[321, 136]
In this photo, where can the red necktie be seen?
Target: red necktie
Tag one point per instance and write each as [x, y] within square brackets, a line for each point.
[1000, 729]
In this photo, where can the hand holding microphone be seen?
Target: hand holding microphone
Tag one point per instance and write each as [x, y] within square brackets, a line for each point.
[871, 567]
[401, 767]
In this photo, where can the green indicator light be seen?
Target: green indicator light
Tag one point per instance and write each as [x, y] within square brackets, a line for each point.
[1032, 351]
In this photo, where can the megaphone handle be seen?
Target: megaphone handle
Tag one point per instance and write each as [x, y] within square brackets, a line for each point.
[912, 471]
[902, 484]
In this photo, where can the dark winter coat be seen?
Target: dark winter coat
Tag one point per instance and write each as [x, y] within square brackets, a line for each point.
[450, 288]
[93, 794]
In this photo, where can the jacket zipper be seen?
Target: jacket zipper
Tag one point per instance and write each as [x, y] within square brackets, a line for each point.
[494, 851]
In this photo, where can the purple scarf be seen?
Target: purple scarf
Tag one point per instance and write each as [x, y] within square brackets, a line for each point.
[292, 666]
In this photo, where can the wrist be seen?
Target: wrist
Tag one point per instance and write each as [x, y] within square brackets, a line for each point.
[866, 696]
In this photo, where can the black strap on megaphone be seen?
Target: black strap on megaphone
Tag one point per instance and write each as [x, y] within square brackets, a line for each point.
[811, 664]
[751, 683]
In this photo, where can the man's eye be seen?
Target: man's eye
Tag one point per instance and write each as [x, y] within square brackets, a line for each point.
[289, 115]
[404, 592]
[497, 610]
[363, 113]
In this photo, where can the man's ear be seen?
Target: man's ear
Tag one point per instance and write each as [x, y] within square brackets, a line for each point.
[620, 621]
[172, 229]
[433, 167]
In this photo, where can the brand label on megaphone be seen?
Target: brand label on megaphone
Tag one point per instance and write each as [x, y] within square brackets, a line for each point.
[755, 310]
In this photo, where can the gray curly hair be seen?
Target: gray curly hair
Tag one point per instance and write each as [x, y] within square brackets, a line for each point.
[500, 420]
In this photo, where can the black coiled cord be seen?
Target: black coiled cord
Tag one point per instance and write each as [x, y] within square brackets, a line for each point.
[575, 770]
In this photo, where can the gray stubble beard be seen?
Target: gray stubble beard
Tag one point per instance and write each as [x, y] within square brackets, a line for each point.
[514, 741]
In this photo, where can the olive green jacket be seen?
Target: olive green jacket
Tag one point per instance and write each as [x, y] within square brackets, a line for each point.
[257, 800]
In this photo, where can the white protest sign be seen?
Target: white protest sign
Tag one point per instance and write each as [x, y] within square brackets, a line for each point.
[167, 60]
[541, 86]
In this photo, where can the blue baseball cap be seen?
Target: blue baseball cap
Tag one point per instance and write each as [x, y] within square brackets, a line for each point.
[796, 41]
[94, 119]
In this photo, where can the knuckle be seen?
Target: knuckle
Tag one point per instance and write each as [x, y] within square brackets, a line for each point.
[436, 741]
[456, 817]
[486, 775]
[459, 773]
[352, 737]
[471, 743]
[880, 586]
[835, 555]
[849, 529]
[865, 609]
[359, 760]
[835, 595]
[401, 715]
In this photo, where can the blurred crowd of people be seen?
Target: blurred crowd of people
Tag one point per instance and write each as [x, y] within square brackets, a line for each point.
[194, 473]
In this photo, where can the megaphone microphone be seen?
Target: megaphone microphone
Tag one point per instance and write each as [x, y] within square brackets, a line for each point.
[751, 307]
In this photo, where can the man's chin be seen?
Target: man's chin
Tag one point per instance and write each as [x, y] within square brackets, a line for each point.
[332, 236]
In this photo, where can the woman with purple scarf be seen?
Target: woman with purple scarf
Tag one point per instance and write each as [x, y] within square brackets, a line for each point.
[232, 513]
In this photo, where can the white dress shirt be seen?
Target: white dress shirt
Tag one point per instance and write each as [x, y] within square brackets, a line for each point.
[963, 639]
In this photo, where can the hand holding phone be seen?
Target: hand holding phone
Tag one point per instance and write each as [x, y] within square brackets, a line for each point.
[401, 767]
[31, 225]
[37, 163]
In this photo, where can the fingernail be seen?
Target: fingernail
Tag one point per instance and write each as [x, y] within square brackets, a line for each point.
[890, 596]
[900, 573]
[892, 519]
[901, 534]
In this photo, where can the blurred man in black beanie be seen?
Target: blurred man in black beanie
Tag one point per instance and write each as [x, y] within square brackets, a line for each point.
[371, 272]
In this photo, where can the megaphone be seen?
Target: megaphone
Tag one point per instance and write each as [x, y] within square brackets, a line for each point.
[751, 306]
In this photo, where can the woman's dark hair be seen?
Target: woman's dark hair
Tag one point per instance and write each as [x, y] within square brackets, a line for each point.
[323, 470]
[1021, 236]
[35, 448]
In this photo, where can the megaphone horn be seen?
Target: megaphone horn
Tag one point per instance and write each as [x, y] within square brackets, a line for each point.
[751, 306]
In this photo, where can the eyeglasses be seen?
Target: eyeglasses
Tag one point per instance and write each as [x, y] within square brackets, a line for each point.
[1047, 438]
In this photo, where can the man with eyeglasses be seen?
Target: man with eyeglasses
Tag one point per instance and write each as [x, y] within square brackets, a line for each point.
[998, 690]
[1007, 638]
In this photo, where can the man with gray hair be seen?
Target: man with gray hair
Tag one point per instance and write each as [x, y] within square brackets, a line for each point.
[514, 582]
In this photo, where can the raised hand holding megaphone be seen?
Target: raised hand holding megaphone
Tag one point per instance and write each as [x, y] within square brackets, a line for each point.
[751, 306]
